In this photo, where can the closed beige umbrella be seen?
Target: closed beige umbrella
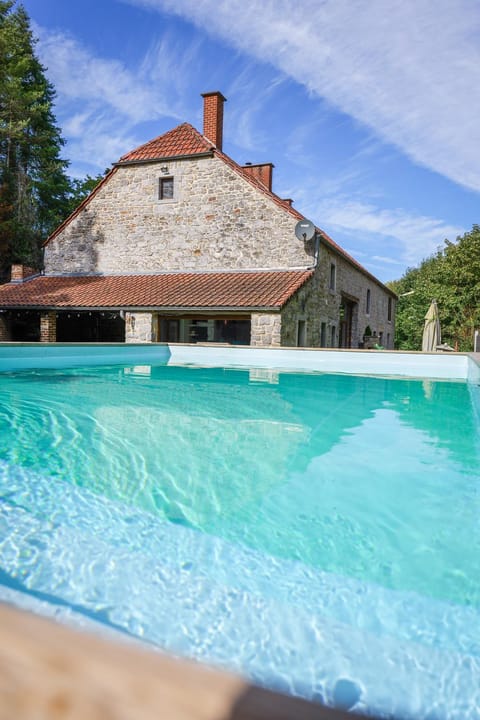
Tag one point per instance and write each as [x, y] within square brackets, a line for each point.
[431, 331]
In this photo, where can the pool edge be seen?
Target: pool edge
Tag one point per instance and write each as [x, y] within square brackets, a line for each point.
[446, 366]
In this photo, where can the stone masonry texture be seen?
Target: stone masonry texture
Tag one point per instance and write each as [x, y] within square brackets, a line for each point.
[266, 329]
[139, 327]
[316, 304]
[217, 220]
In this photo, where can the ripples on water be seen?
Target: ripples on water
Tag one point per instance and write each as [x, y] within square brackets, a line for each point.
[369, 481]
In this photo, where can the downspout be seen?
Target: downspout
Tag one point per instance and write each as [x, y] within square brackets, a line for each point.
[316, 251]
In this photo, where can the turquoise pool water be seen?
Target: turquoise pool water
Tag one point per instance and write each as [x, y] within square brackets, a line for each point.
[316, 532]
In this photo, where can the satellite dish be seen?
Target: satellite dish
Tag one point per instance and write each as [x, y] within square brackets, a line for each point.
[304, 230]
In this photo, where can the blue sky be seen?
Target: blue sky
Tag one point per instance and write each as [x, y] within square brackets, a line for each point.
[367, 108]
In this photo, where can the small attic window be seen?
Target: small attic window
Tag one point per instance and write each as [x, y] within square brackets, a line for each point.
[165, 188]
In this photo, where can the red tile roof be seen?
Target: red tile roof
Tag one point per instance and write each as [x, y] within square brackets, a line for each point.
[269, 289]
[183, 140]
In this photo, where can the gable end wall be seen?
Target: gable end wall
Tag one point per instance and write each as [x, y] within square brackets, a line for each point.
[216, 221]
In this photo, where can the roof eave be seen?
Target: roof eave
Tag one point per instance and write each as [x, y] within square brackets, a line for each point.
[146, 308]
[166, 158]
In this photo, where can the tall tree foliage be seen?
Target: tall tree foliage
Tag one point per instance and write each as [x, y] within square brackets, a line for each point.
[34, 187]
[452, 277]
[81, 188]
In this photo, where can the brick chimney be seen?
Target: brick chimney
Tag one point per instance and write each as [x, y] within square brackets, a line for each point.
[213, 117]
[262, 172]
[18, 273]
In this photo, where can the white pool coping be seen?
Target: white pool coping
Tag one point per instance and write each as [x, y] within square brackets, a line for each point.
[449, 366]
[440, 365]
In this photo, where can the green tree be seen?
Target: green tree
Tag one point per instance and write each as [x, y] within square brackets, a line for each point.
[34, 186]
[80, 188]
[459, 278]
[452, 278]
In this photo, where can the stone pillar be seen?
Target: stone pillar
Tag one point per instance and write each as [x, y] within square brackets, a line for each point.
[4, 328]
[266, 329]
[48, 327]
[139, 327]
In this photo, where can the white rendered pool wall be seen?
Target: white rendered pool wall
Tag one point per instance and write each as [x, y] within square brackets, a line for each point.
[451, 366]
[447, 366]
[24, 356]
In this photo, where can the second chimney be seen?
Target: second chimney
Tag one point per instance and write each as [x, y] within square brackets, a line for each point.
[213, 117]
[262, 172]
[18, 273]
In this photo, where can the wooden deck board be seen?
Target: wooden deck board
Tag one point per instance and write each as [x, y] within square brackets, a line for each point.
[51, 672]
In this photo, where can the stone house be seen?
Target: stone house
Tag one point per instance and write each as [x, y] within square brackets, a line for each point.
[179, 243]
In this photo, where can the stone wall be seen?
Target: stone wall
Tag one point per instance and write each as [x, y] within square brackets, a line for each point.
[139, 327]
[265, 329]
[354, 283]
[316, 303]
[314, 306]
[217, 220]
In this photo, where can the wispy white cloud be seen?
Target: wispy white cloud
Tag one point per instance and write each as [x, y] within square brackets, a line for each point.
[100, 101]
[416, 236]
[381, 68]
[408, 69]
[80, 75]
[386, 260]
[245, 125]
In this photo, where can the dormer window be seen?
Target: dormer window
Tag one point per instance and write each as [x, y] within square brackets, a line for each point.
[165, 188]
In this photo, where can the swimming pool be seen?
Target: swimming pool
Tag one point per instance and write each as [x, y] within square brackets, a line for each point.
[316, 532]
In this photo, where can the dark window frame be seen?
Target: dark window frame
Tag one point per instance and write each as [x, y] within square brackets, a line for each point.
[323, 334]
[166, 188]
[301, 332]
